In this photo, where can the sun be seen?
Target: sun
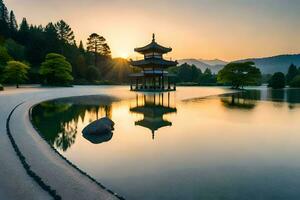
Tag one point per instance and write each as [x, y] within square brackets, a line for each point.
[124, 55]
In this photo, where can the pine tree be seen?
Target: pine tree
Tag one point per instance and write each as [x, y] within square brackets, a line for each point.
[81, 48]
[292, 73]
[4, 20]
[13, 26]
[98, 46]
[23, 34]
[65, 33]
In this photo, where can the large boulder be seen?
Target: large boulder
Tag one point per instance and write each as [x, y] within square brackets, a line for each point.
[101, 126]
[98, 139]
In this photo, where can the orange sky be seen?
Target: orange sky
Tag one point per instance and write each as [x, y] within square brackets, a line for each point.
[229, 29]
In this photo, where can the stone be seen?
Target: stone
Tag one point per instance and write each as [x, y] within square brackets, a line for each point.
[98, 127]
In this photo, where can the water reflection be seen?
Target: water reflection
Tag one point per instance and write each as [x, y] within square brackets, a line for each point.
[153, 107]
[224, 147]
[237, 101]
[98, 139]
[59, 119]
[249, 98]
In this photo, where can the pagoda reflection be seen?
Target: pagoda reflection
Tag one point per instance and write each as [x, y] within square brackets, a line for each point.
[154, 107]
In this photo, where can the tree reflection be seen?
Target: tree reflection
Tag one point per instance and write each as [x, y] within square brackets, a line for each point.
[58, 120]
[238, 101]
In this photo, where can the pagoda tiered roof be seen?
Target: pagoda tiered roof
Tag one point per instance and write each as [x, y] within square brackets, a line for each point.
[150, 62]
[153, 47]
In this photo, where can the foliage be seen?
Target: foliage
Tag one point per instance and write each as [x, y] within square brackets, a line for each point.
[15, 50]
[277, 81]
[191, 75]
[239, 74]
[97, 45]
[93, 73]
[4, 20]
[1, 87]
[56, 70]
[295, 82]
[16, 72]
[64, 32]
[4, 58]
[292, 73]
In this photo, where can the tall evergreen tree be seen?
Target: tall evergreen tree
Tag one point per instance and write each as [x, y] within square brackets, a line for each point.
[292, 73]
[98, 46]
[13, 25]
[4, 20]
[81, 48]
[23, 34]
[65, 33]
[51, 37]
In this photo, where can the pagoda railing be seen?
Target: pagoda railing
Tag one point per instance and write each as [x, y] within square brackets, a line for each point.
[142, 58]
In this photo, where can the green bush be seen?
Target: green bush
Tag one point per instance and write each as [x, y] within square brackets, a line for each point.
[295, 82]
[16, 72]
[277, 81]
[1, 88]
[56, 70]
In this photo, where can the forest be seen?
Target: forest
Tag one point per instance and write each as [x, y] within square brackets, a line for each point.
[30, 44]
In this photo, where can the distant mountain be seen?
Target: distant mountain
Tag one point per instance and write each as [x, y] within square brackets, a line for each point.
[267, 65]
[214, 62]
[270, 65]
[201, 65]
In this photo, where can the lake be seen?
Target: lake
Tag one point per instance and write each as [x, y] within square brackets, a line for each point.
[177, 146]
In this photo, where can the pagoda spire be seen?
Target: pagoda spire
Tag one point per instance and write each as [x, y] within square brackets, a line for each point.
[153, 37]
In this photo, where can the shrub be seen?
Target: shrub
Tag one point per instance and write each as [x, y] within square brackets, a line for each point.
[295, 82]
[56, 70]
[16, 72]
[277, 81]
[1, 88]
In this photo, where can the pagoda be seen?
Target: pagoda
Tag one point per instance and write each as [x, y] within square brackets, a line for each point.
[153, 75]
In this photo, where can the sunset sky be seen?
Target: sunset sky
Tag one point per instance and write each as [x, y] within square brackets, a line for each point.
[224, 29]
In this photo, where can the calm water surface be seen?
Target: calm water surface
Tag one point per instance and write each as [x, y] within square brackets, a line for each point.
[175, 146]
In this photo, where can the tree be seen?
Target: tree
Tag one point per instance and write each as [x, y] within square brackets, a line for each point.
[56, 70]
[239, 74]
[98, 46]
[92, 73]
[4, 58]
[4, 20]
[16, 72]
[65, 33]
[15, 50]
[13, 25]
[277, 81]
[81, 48]
[51, 38]
[292, 73]
[295, 82]
[23, 34]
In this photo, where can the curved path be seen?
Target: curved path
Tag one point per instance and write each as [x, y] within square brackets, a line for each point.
[54, 172]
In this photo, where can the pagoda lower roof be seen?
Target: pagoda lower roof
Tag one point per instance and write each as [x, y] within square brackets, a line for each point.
[154, 62]
[153, 47]
[153, 110]
[153, 125]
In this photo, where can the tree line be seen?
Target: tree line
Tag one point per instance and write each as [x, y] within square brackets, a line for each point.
[281, 80]
[30, 49]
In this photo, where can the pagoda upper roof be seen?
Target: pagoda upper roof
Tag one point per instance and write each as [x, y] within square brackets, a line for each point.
[153, 47]
[153, 62]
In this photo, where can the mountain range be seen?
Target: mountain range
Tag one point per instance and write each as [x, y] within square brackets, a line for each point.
[267, 65]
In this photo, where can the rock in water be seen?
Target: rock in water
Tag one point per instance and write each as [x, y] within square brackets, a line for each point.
[101, 126]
